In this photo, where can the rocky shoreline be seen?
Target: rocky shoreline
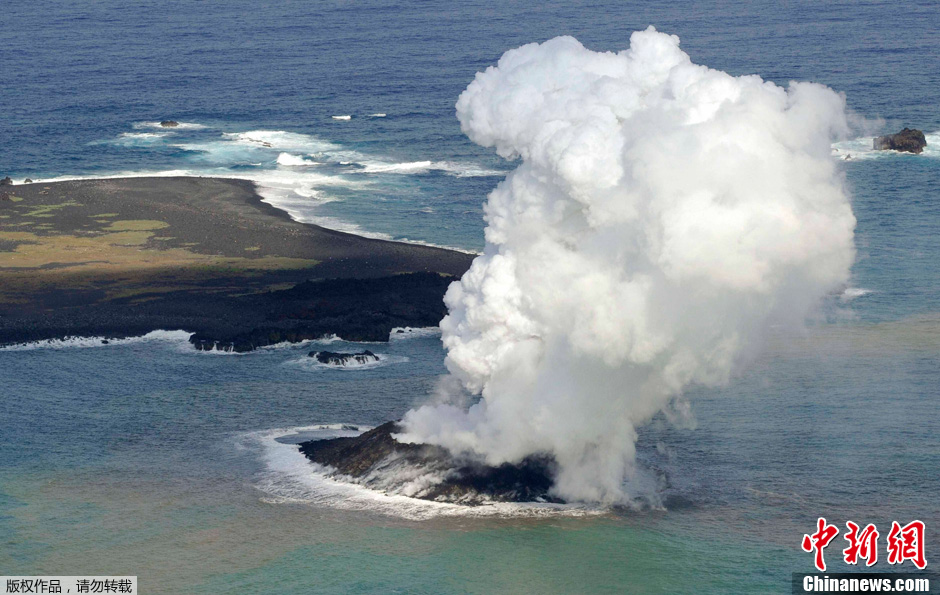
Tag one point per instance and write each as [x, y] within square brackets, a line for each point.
[375, 459]
[122, 257]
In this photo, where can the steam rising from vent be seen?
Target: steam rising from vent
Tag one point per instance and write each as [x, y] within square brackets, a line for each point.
[663, 215]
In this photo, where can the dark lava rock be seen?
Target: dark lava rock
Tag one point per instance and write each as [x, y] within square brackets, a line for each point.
[27, 181]
[354, 309]
[7, 181]
[908, 141]
[169, 123]
[378, 461]
[333, 358]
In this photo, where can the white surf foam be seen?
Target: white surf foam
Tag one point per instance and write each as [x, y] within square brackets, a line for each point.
[403, 333]
[217, 350]
[851, 293]
[294, 160]
[377, 115]
[343, 117]
[169, 337]
[145, 136]
[460, 170]
[281, 140]
[136, 139]
[179, 126]
[289, 477]
[412, 167]
[311, 363]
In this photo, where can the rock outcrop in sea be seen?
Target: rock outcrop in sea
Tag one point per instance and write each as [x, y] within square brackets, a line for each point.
[908, 140]
[169, 123]
[333, 358]
[376, 460]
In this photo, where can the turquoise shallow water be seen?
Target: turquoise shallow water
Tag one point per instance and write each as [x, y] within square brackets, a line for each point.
[148, 458]
[153, 464]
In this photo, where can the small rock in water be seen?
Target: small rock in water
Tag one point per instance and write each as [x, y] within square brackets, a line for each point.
[169, 123]
[907, 141]
[27, 181]
[344, 359]
[7, 181]
[105, 342]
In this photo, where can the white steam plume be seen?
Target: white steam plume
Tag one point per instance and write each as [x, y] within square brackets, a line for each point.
[663, 215]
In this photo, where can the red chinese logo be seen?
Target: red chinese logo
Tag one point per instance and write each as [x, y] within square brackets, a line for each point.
[907, 543]
[904, 543]
[819, 540]
[864, 545]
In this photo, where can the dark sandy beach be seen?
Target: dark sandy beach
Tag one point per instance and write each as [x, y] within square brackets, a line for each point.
[122, 257]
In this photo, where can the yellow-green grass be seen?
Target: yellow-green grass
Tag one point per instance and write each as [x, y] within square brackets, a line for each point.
[49, 210]
[136, 225]
[123, 250]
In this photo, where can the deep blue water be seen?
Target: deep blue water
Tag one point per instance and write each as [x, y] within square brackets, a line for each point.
[147, 458]
[78, 76]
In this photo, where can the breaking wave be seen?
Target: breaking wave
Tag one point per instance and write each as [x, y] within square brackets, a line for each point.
[294, 160]
[311, 363]
[169, 337]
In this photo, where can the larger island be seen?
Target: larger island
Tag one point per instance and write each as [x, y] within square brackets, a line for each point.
[122, 257]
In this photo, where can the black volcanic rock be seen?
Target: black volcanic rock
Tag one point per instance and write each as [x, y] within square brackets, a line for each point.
[333, 358]
[7, 181]
[354, 287]
[169, 123]
[908, 141]
[378, 461]
[354, 309]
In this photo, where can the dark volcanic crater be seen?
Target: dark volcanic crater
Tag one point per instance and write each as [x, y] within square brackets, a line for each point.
[378, 461]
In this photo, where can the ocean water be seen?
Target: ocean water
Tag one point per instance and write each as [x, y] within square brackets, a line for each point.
[145, 457]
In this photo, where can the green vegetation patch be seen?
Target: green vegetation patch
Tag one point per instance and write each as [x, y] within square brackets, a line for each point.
[137, 225]
[49, 210]
[128, 238]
